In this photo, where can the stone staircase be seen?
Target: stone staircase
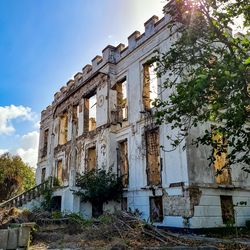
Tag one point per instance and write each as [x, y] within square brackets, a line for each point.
[28, 195]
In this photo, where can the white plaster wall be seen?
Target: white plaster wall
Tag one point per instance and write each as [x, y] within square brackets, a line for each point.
[86, 209]
[208, 212]
[174, 163]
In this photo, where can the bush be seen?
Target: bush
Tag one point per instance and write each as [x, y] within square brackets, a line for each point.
[97, 187]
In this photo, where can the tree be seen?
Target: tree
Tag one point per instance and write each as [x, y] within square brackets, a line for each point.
[207, 72]
[99, 186]
[15, 176]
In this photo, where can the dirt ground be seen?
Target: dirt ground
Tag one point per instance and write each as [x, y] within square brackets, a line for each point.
[118, 231]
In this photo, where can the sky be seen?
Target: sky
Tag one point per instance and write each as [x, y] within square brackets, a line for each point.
[45, 43]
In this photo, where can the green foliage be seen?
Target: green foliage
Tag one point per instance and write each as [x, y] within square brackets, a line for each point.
[105, 218]
[99, 186]
[209, 70]
[15, 176]
[56, 182]
[47, 194]
[78, 219]
[56, 214]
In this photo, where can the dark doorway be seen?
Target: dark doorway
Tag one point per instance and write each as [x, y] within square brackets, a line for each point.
[97, 209]
[56, 203]
[227, 209]
[156, 210]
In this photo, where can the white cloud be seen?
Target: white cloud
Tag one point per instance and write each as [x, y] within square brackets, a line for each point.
[28, 156]
[9, 113]
[28, 149]
[30, 140]
[2, 151]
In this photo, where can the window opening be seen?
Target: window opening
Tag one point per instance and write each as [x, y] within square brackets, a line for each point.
[45, 143]
[153, 156]
[227, 209]
[90, 113]
[122, 100]
[223, 175]
[43, 176]
[123, 166]
[91, 159]
[59, 172]
[150, 85]
[75, 118]
[63, 128]
[156, 211]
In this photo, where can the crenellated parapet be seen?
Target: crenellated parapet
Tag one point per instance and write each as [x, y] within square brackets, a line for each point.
[111, 54]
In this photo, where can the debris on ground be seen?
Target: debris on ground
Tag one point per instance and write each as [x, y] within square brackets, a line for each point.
[118, 231]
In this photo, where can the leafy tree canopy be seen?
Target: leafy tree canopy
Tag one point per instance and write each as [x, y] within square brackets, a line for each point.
[99, 186]
[207, 72]
[15, 176]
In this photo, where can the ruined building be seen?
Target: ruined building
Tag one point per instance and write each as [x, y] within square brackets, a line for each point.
[103, 118]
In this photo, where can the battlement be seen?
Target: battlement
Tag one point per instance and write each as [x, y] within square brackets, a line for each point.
[112, 54]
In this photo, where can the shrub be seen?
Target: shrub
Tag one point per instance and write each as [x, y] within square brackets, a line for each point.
[97, 187]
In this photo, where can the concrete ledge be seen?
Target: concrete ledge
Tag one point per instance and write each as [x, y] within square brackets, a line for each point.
[16, 238]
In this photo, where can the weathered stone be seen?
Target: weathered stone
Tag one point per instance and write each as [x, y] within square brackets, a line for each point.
[24, 236]
[3, 238]
[13, 238]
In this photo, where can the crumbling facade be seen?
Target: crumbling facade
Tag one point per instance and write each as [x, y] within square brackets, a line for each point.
[103, 119]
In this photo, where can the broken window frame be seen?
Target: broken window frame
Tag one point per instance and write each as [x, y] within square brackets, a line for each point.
[227, 209]
[158, 180]
[75, 118]
[59, 172]
[125, 175]
[88, 167]
[63, 133]
[45, 143]
[220, 151]
[147, 93]
[87, 110]
[156, 212]
[43, 174]
[121, 88]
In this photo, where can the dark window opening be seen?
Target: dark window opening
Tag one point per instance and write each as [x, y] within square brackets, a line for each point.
[56, 203]
[45, 143]
[124, 204]
[43, 176]
[156, 210]
[227, 209]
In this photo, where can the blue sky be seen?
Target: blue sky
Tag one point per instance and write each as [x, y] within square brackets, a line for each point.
[43, 44]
